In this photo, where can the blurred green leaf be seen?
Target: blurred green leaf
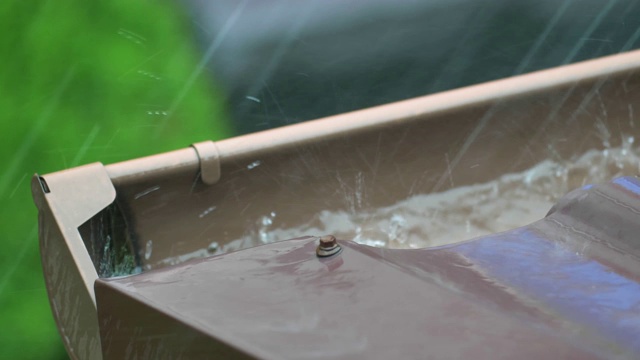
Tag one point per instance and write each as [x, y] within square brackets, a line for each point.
[84, 82]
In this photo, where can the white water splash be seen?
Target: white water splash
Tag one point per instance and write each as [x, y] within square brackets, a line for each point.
[462, 213]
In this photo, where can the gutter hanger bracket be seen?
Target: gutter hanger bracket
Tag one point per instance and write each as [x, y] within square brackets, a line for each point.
[209, 157]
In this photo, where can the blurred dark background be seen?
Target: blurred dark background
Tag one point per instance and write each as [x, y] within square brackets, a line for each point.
[113, 80]
[281, 62]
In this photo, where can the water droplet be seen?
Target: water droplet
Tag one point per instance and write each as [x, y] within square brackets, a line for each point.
[528, 178]
[370, 237]
[148, 249]
[396, 231]
[213, 247]
[266, 221]
[207, 212]
[254, 164]
[370, 242]
[264, 225]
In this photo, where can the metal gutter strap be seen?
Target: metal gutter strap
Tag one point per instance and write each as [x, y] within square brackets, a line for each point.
[204, 158]
[209, 159]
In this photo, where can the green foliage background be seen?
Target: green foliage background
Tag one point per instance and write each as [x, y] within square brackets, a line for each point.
[84, 81]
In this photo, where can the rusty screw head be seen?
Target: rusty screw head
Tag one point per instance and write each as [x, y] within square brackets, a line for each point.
[327, 246]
